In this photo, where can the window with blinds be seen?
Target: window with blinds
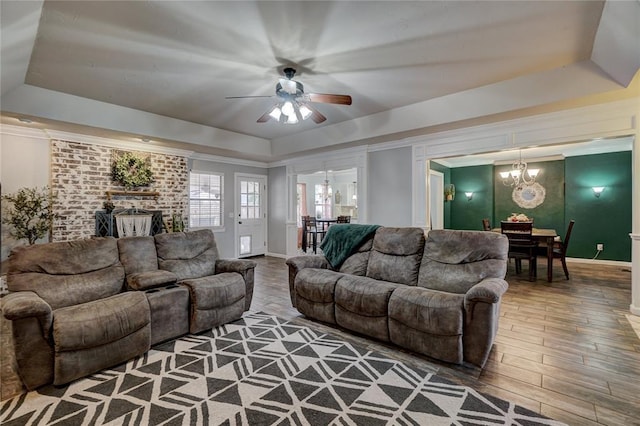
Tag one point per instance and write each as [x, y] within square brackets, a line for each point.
[206, 200]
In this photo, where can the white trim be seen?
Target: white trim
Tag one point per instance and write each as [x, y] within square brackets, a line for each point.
[324, 157]
[279, 255]
[600, 262]
[574, 125]
[112, 143]
[227, 160]
[28, 132]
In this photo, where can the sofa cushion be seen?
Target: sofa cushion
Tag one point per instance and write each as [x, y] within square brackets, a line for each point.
[396, 255]
[316, 285]
[187, 254]
[362, 305]
[428, 311]
[356, 264]
[364, 296]
[67, 273]
[100, 322]
[455, 261]
[138, 254]
[215, 291]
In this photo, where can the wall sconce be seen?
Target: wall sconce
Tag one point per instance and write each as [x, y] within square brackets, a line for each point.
[597, 190]
[469, 195]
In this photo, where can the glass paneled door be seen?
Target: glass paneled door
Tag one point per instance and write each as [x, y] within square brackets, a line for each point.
[251, 226]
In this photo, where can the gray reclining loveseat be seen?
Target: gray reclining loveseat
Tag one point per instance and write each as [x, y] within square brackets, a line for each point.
[438, 296]
[78, 307]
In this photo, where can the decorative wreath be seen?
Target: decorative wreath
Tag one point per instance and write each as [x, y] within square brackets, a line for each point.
[529, 196]
[131, 170]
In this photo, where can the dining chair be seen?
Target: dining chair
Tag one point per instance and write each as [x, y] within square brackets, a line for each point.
[343, 219]
[486, 224]
[560, 249]
[521, 245]
[311, 232]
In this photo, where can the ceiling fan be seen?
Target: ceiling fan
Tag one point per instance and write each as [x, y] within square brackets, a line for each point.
[293, 104]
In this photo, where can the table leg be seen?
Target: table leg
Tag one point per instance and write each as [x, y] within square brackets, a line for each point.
[304, 238]
[549, 259]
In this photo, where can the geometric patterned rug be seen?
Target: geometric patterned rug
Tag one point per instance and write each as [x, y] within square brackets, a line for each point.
[263, 370]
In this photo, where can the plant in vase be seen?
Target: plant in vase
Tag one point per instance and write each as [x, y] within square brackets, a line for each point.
[449, 192]
[29, 212]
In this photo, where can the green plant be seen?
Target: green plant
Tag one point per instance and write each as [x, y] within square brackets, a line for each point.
[131, 170]
[29, 212]
[449, 192]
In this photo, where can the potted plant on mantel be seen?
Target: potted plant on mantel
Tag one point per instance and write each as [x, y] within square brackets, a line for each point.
[29, 213]
[449, 192]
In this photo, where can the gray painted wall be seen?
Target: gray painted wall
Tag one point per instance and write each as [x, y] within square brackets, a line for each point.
[389, 187]
[277, 218]
[225, 239]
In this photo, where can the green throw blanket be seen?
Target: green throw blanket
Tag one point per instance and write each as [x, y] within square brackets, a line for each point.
[343, 239]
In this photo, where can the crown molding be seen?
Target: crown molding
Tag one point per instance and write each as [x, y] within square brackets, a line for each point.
[228, 160]
[27, 132]
[112, 143]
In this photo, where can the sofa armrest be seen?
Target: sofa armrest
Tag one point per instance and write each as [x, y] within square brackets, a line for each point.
[24, 304]
[31, 323]
[298, 263]
[234, 265]
[482, 309]
[244, 267]
[27, 304]
[489, 290]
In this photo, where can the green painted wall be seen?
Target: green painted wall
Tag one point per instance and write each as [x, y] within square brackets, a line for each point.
[567, 184]
[446, 171]
[468, 214]
[549, 214]
[607, 219]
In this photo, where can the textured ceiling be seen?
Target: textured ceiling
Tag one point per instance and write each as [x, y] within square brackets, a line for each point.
[180, 59]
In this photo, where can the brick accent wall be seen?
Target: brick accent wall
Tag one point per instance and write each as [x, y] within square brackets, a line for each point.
[81, 175]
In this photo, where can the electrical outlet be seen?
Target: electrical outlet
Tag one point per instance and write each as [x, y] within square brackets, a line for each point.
[599, 247]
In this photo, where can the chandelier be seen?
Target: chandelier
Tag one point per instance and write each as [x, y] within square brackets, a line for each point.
[519, 174]
[290, 111]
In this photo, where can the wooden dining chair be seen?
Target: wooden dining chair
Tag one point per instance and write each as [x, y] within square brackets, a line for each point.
[486, 224]
[560, 249]
[521, 245]
[311, 232]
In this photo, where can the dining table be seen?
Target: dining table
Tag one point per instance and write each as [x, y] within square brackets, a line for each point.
[547, 236]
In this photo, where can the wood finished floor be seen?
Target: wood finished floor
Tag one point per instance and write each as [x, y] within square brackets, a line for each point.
[564, 349]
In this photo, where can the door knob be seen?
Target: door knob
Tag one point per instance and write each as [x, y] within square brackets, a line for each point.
[240, 222]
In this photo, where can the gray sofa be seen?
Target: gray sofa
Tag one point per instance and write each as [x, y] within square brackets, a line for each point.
[78, 307]
[438, 296]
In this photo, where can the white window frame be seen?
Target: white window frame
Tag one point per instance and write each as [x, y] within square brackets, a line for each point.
[212, 198]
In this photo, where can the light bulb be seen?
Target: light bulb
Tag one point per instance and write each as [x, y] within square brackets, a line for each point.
[275, 113]
[305, 112]
[287, 109]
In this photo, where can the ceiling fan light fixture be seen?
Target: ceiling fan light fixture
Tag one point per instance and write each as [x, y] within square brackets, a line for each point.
[305, 112]
[288, 110]
[291, 119]
[275, 113]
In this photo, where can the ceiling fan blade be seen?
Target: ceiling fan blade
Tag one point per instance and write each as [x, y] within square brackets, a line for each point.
[246, 97]
[316, 116]
[326, 98]
[264, 118]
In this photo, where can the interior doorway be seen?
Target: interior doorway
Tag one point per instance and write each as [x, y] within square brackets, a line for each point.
[436, 199]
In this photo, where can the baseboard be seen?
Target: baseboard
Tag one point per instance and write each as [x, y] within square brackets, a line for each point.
[280, 255]
[600, 262]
